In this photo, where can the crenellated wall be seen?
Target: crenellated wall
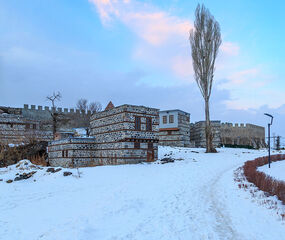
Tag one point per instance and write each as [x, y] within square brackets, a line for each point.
[229, 134]
[68, 118]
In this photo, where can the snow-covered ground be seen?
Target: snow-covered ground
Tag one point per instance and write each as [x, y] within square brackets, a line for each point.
[193, 198]
[276, 170]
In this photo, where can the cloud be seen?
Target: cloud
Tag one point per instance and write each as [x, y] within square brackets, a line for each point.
[152, 25]
[229, 48]
[162, 39]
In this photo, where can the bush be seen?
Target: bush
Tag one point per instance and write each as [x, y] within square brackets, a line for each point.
[35, 152]
[238, 146]
[263, 181]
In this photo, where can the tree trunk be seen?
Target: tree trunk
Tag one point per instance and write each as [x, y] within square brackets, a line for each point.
[54, 120]
[208, 130]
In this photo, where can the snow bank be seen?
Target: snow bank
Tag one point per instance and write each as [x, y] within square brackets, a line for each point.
[194, 197]
[276, 170]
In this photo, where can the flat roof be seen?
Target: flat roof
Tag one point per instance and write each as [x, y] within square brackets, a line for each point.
[174, 110]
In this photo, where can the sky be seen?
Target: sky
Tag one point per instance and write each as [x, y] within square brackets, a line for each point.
[138, 52]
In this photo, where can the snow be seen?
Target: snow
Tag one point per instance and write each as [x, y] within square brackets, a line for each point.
[193, 198]
[276, 170]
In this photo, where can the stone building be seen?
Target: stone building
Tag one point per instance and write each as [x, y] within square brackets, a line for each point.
[126, 134]
[123, 134]
[227, 134]
[174, 128]
[198, 136]
[73, 152]
[16, 129]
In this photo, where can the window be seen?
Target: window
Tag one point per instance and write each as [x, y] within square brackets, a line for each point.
[168, 132]
[137, 145]
[34, 126]
[64, 153]
[164, 119]
[149, 124]
[137, 123]
[171, 118]
[150, 145]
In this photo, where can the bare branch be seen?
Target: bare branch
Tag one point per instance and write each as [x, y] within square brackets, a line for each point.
[95, 107]
[82, 105]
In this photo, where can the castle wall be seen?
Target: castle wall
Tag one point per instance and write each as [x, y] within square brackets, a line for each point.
[17, 129]
[229, 134]
[246, 135]
[68, 119]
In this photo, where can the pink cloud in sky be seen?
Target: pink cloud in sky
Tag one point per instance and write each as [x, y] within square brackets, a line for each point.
[163, 38]
[163, 43]
[152, 25]
[229, 48]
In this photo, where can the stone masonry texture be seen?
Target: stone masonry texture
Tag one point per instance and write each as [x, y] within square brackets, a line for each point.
[114, 139]
[228, 134]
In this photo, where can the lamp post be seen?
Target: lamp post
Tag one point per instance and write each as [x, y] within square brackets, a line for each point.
[269, 124]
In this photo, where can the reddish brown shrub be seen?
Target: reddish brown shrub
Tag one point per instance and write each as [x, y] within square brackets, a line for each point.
[261, 180]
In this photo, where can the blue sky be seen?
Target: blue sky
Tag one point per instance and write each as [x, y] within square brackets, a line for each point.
[138, 52]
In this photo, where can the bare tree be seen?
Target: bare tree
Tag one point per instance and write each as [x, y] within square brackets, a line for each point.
[56, 96]
[95, 107]
[205, 41]
[82, 105]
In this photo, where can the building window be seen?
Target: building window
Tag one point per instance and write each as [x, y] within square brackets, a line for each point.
[150, 145]
[138, 123]
[34, 126]
[168, 132]
[149, 124]
[11, 125]
[164, 119]
[137, 145]
[171, 118]
[64, 153]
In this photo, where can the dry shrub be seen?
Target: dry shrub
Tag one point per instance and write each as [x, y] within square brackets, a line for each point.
[38, 160]
[263, 181]
[34, 151]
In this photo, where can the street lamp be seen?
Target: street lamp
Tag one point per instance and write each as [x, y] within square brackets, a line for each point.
[269, 124]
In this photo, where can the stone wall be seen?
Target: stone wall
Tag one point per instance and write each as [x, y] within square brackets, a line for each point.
[68, 119]
[198, 136]
[116, 135]
[115, 140]
[16, 129]
[246, 135]
[73, 152]
[229, 134]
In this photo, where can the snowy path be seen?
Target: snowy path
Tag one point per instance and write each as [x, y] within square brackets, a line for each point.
[191, 199]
